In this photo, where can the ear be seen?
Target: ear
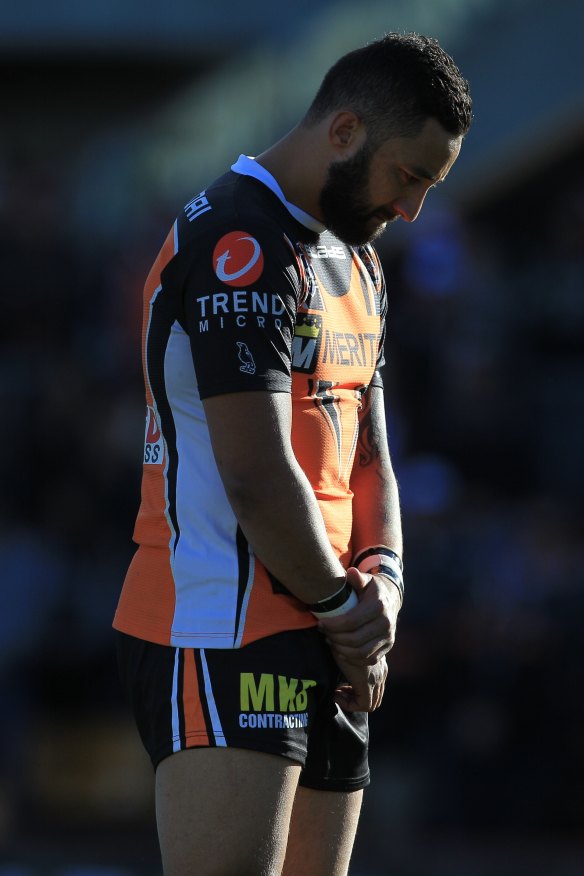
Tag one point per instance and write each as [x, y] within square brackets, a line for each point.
[346, 133]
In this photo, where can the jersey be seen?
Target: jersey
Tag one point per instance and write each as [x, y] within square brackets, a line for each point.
[248, 293]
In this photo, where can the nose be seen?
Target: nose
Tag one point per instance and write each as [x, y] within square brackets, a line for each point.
[409, 207]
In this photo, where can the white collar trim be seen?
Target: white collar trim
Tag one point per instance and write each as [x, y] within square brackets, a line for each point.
[248, 166]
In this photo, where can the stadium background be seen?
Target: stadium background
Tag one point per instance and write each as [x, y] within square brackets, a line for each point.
[113, 115]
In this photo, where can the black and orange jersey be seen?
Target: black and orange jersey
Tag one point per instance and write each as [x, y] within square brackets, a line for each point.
[247, 293]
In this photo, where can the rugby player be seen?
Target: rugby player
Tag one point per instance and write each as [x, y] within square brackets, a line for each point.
[258, 610]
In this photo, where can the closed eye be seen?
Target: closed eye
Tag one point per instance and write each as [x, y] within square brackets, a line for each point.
[409, 177]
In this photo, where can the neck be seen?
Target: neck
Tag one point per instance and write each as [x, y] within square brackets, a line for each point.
[294, 162]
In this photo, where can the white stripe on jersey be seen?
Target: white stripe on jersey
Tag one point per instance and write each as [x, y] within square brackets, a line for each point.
[246, 596]
[205, 566]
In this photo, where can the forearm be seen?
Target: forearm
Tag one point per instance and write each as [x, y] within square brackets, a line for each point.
[280, 518]
[366, 634]
[376, 509]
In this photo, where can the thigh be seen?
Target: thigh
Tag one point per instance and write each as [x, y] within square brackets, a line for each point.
[322, 832]
[224, 812]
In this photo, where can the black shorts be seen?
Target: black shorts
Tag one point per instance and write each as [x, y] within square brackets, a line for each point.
[274, 695]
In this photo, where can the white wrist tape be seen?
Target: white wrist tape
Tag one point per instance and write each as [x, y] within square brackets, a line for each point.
[375, 560]
[339, 603]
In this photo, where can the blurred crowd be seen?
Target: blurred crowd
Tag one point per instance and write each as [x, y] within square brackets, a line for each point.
[483, 726]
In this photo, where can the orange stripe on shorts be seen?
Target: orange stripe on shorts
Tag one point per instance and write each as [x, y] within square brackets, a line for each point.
[195, 728]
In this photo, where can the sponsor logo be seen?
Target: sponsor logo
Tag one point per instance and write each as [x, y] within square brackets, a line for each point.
[238, 259]
[306, 343]
[273, 701]
[326, 252]
[272, 720]
[153, 440]
[197, 206]
[238, 305]
[345, 348]
[246, 359]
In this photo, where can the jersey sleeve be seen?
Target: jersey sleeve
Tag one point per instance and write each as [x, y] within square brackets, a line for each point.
[240, 298]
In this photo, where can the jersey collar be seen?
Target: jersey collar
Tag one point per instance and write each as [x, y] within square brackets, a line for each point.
[248, 166]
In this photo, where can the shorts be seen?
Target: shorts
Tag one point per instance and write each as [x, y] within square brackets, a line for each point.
[274, 695]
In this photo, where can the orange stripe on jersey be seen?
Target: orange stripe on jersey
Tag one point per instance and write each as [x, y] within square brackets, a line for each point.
[149, 591]
[152, 522]
[152, 283]
[262, 620]
[195, 727]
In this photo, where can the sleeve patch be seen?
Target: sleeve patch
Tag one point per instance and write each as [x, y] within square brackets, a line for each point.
[238, 259]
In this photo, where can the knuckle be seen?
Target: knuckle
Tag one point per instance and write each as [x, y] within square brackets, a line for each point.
[379, 605]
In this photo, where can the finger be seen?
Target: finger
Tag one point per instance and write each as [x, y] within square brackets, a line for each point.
[379, 628]
[346, 699]
[366, 647]
[351, 699]
[353, 620]
[365, 655]
[358, 580]
[368, 610]
[358, 662]
[357, 638]
[378, 695]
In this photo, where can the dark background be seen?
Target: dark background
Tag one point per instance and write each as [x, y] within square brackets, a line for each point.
[111, 120]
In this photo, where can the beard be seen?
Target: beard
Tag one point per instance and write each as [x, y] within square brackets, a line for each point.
[343, 204]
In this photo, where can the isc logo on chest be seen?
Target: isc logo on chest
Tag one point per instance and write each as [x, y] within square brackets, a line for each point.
[326, 252]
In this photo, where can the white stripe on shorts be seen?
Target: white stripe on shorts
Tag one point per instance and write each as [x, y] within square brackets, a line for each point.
[174, 704]
[213, 713]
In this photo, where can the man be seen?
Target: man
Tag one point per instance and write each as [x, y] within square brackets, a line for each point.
[258, 610]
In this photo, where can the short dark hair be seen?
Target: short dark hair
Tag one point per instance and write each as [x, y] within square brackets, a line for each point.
[394, 85]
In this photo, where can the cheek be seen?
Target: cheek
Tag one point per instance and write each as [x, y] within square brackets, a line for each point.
[384, 187]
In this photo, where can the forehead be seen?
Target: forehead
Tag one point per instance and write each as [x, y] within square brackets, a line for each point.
[429, 154]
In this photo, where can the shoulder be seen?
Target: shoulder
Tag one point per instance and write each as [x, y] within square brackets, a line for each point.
[235, 218]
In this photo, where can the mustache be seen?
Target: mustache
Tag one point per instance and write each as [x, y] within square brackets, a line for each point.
[386, 215]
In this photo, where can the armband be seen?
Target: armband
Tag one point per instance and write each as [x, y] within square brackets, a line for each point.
[339, 603]
[381, 560]
[372, 556]
[389, 572]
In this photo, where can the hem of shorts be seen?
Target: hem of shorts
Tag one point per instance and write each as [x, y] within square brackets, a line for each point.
[291, 753]
[337, 784]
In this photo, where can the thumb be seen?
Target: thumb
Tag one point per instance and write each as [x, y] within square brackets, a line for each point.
[357, 580]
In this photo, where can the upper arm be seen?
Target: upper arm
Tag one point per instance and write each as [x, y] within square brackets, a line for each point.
[240, 297]
[250, 435]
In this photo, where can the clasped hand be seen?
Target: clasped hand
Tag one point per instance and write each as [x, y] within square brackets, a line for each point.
[360, 639]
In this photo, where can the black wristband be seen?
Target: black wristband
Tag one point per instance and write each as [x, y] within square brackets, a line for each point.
[390, 573]
[379, 550]
[334, 601]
